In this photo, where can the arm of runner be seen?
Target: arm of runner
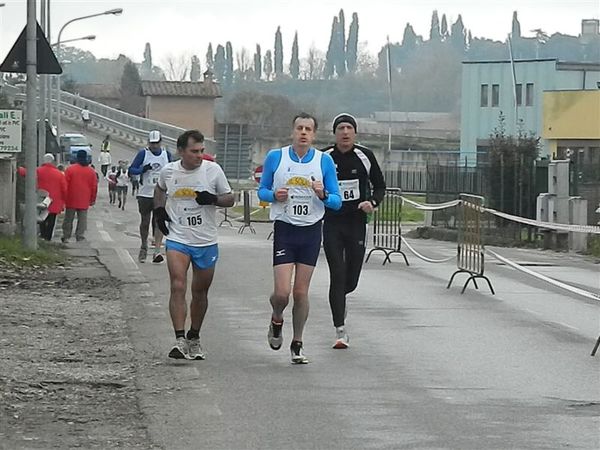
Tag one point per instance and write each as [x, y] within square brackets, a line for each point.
[377, 181]
[265, 191]
[160, 191]
[225, 197]
[136, 166]
[333, 200]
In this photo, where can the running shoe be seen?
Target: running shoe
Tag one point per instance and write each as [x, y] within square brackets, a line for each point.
[341, 338]
[298, 353]
[158, 259]
[195, 350]
[179, 350]
[142, 255]
[275, 335]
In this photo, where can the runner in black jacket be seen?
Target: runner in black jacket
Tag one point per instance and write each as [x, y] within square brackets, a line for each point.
[362, 188]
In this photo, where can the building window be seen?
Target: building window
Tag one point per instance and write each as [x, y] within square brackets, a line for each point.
[519, 92]
[495, 95]
[484, 95]
[529, 94]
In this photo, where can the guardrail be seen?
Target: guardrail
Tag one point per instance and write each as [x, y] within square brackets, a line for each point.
[128, 127]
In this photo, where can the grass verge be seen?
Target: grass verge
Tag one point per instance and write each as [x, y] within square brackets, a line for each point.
[13, 252]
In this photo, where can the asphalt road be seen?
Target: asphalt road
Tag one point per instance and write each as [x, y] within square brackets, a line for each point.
[428, 368]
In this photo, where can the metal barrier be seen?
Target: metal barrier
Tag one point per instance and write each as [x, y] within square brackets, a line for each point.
[225, 218]
[470, 257]
[247, 218]
[386, 226]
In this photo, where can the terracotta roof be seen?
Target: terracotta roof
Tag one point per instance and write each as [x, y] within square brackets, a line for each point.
[180, 89]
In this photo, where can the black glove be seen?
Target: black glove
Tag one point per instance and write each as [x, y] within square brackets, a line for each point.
[146, 168]
[205, 198]
[161, 217]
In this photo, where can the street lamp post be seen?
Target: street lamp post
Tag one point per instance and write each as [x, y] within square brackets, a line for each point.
[114, 12]
[91, 37]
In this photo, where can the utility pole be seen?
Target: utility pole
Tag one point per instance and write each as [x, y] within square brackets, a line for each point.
[43, 84]
[30, 221]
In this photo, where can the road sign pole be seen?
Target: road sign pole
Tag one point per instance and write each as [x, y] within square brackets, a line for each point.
[42, 96]
[30, 220]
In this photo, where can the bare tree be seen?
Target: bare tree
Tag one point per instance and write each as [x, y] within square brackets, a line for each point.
[177, 67]
[366, 63]
[314, 64]
[243, 60]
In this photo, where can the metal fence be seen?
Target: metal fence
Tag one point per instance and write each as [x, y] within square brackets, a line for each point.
[386, 226]
[470, 251]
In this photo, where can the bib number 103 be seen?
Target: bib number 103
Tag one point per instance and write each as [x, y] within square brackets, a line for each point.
[193, 221]
[300, 210]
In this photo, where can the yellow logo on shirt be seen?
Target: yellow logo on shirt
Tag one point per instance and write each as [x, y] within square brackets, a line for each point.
[299, 181]
[184, 193]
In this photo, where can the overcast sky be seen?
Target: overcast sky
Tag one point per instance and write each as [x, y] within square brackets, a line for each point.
[187, 26]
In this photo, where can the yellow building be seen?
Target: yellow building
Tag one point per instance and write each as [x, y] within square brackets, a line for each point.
[571, 121]
[185, 104]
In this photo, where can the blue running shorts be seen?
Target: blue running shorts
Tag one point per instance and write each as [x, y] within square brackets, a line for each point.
[202, 257]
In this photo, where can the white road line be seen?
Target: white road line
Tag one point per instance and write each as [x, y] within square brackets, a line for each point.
[99, 225]
[105, 236]
[126, 258]
[565, 325]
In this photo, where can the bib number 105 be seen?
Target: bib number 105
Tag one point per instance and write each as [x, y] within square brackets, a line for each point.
[193, 221]
[300, 210]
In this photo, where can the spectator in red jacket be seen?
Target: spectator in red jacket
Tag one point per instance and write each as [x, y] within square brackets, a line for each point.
[82, 187]
[53, 181]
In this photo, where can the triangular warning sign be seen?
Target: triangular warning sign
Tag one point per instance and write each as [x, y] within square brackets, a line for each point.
[16, 60]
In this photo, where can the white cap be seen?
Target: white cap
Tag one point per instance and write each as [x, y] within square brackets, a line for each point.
[154, 136]
[48, 158]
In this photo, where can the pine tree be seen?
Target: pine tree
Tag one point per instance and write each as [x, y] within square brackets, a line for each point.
[434, 32]
[516, 26]
[444, 27]
[146, 67]
[457, 36]
[409, 40]
[228, 64]
[257, 63]
[195, 70]
[295, 61]
[210, 61]
[220, 64]
[330, 57]
[340, 63]
[278, 53]
[131, 86]
[268, 64]
[352, 44]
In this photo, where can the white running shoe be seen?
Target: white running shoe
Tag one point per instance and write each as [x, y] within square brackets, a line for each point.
[195, 350]
[297, 352]
[275, 335]
[341, 338]
[179, 350]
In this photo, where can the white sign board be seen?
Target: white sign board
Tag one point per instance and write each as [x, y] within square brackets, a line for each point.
[11, 122]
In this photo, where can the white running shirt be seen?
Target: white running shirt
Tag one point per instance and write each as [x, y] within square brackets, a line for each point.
[302, 207]
[149, 179]
[192, 224]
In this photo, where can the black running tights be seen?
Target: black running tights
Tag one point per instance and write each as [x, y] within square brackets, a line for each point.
[344, 244]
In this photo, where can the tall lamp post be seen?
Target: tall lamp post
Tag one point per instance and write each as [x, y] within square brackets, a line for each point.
[114, 12]
[91, 37]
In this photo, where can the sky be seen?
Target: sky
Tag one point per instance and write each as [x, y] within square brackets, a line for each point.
[176, 27]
